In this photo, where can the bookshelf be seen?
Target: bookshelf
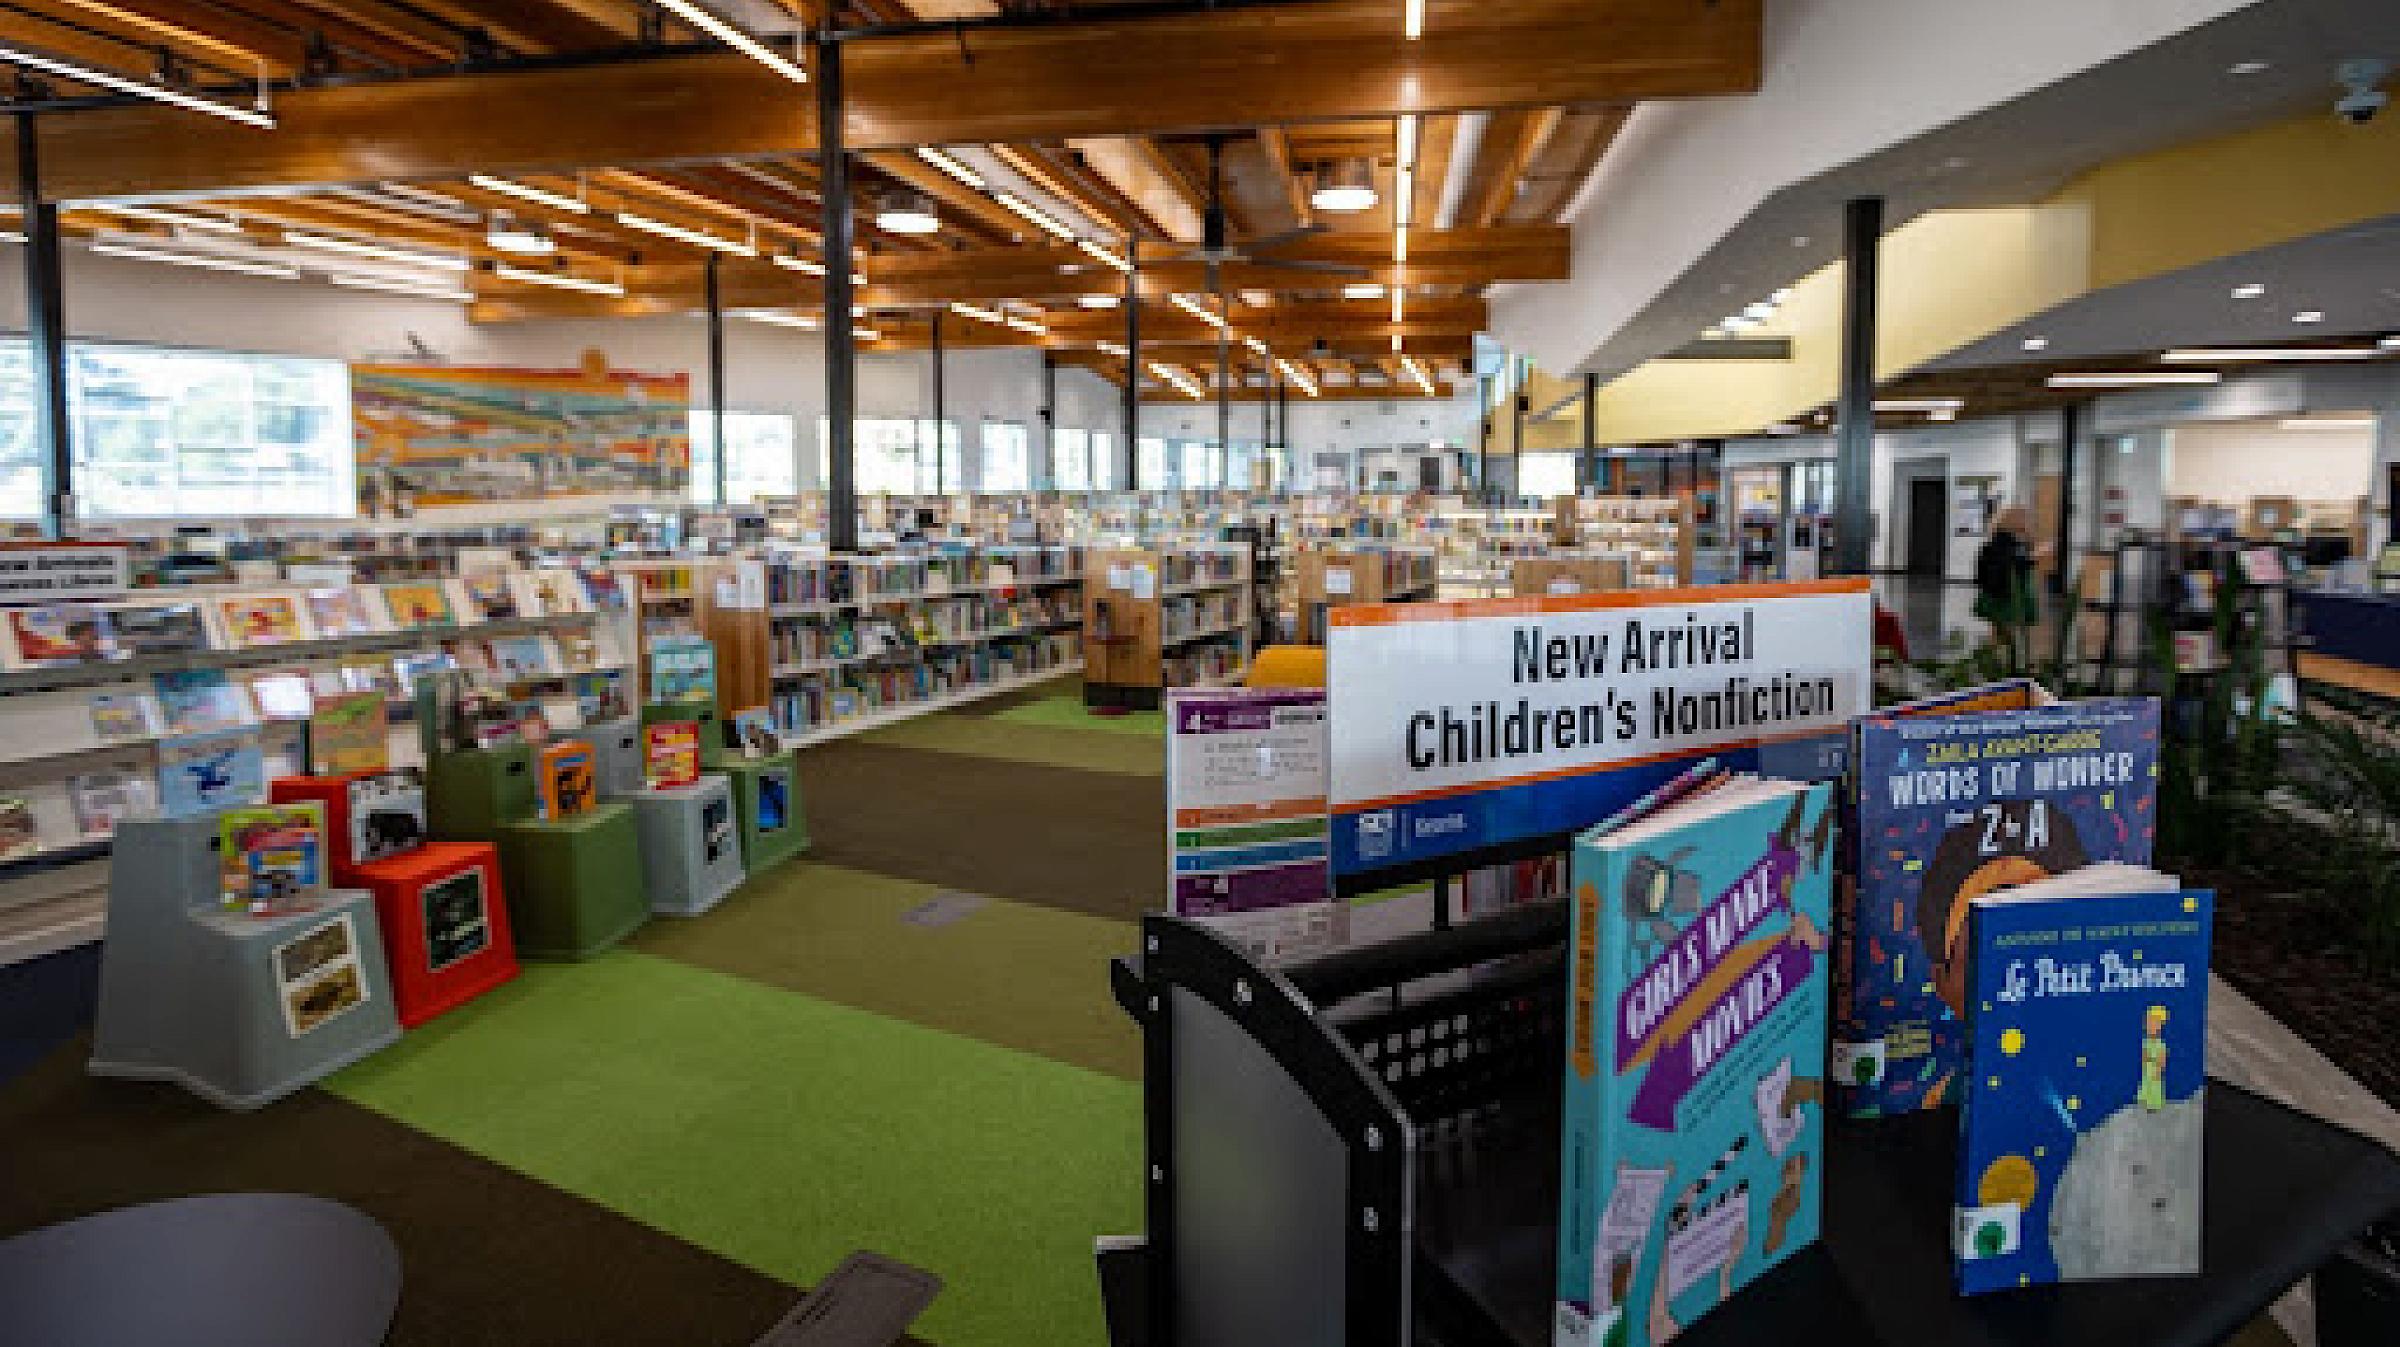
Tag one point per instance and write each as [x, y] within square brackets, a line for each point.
[835, 644]
[1173, 615]
[1345, 573]
[1658, 534]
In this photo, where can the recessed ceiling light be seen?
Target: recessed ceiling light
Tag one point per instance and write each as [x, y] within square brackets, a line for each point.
[1942, 414]
[1096, 301]
[2249, 290]
[1345, 188]
[1799, 240]
[507, 234]
[2036, 343]
[2249, 67]
[2309, 316]
[1955, 162]
[907, 213]
[1759, 311]
[1782, 296]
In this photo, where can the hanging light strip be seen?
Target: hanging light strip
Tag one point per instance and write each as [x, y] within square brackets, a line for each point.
[558, 280]
[399, 287]
[1110, 348]
[1105, 254]
[1027, 210]
[175, 219]
[137, 254]
[332, 243]
[735, 38]
[695, 237]
[809, 266]
[947, 163]
[1256, 345]
[527, 192]
[1416, 371]
[1412, 19]
[778, 318]
[1196, 309]
[1024, 324]
[14, 54]
[981, 315]
[1189, 386]
[1297, 375]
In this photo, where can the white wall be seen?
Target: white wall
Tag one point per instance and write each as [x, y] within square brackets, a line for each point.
[2230, 463]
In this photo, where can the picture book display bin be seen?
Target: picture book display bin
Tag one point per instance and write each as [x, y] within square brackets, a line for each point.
[574, 884]
[404, 830]
[469, 793]
[239, 1009]
[691, 854]
[766, 797]
[445, 926]
[619, 746]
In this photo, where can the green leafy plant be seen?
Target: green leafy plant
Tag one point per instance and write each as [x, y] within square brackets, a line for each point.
[2351, 786]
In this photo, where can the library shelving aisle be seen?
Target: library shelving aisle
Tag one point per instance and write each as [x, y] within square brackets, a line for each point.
[1175, 615]
[1658, 533]
[833, 645]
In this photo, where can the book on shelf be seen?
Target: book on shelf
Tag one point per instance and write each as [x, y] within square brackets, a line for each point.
[568, 779]
[102, 798]
[197, 701]
[1693, 1146]
[671, 753]
[418, 603]
[255, 621]
[152, 629]
[282, 694]
[59, 635]
[349, 732]
[271, 858]
[121, 717]
[753, 731]
[490, 597]
[387, 815]
[1951, 806]
[518, 659]
[20, 832]
[551, 591]
[344, 610]
[2195, 651]
[2262, 565]
[2079, 1154]
[201, 772]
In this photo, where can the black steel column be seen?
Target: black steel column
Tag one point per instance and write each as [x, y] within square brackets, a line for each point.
[841, 344]
[46, 331]
[1516, 449]
[716, 372]
[941, 407]
[1590, 476]
[1130, 455]
[1047, 478]
[1266, 419]
[1862, 234]
[1224, 406]
[2070, 429]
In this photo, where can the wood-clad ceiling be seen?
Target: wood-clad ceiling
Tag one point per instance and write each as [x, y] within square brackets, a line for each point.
[1103, 115]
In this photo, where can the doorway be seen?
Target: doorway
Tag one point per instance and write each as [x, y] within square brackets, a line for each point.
[1928, 536]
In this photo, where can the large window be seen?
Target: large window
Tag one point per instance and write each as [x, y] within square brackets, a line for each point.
[1199, 463]
[1104, 462]
[166, 433]
[895, 456]
[1152, 453]
[1545, 475]
[1007, 458]
[762, 457]
[1071, 460]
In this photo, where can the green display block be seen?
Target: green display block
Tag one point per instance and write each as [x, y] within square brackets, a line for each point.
[712, 727]
[574, 885]
[469, 793]
[766, 790]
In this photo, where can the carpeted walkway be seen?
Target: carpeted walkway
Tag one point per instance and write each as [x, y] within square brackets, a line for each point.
[664, 1144]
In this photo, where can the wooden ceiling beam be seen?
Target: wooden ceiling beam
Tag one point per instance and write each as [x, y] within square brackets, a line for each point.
[228, 38]
[1105, 76]
[1564, 161]
[1278, 149]
[1039, 171]
[1510, 139]
[400, 26]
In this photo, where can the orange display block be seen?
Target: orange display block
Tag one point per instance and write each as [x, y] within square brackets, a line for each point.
[369, 816]
[445, 926]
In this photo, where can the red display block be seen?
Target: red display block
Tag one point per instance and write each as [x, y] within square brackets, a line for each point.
[445, 926]
[369, 817]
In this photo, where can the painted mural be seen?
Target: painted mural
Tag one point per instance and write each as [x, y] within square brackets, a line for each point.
[431, 435]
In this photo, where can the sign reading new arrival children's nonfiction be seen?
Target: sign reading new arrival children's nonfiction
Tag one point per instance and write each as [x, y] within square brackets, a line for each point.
[1458, 727]
[1246, 816]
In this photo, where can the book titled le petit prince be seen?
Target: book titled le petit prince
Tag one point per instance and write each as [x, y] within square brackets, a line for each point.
[2079, 1154]
[1693, 1143]
[1951, 807]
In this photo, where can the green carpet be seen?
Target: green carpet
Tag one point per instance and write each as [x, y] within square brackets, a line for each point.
[1000, 737]
[1065, 710]
[783, 1131]
[1018, 975]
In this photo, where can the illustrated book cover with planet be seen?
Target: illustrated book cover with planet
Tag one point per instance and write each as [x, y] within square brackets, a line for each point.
[1951, 807]
[2079, 1153]
[1693, 1129]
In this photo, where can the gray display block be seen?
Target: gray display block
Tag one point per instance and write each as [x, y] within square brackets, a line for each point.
[239, 1009]
[691, 845]
[618, 743]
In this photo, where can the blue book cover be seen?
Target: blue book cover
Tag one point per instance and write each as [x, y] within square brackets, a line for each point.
[1693, 1141]
[1951, 806]
[2080, 1127]
[198, 773]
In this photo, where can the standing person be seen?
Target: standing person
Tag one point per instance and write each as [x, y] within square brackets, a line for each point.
[2004, 592]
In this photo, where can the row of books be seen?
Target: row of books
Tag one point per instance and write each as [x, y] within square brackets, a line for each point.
[1191, 615]
[1200, 566]
[820, 701]
[2000, 946]
[1202, 663]
[797, 579]
[69, 634]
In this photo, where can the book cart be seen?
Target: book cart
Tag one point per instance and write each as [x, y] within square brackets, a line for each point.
[1361, 1149]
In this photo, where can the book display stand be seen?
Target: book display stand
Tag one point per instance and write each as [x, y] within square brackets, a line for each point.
[691, 855]
[766, 796]
[619, 746]
[574, 885]
[239, 1009]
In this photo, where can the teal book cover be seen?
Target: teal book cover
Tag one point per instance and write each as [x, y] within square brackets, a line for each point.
[1692, 1147]
[2079, 1151]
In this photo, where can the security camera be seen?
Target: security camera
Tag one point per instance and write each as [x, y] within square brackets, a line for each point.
[2361, 97]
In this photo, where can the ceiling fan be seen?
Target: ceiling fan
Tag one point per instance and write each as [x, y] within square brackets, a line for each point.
[1215, 249]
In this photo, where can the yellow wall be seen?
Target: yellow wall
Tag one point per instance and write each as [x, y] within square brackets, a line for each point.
[1954, 277]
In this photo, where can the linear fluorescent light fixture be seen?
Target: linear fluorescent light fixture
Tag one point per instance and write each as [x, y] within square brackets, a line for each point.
[527, 192]
[803, 265]
[1103, 300]
[2135, 378]
[175, 219]
[1412, 19]
[774, 318]
[979, 314]
[1021, 323]
[948, 163]
[1919, 404]
[1400, 244]
[558, 280]
[1255, 344]
[333, 243]
[695, 237]
[1406, 135]
[1033, 214]
[1416, 371]
[1181, 380]
[2245, 355]
[397, 287]
[2328, 423]
[126, 84]
[1110, 348]
[1297, 375]
[2389, 344]
[1196, 309]
[12, 236]
[267, 269]
[1105, 254]
[737, 39]
[865, 334]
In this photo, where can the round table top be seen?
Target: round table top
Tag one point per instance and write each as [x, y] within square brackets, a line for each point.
[236, 1269]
